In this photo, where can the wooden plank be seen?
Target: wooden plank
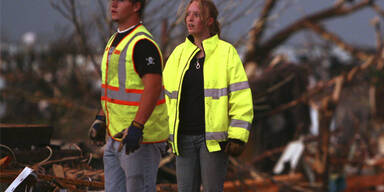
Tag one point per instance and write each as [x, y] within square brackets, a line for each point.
[354, 183]
[365, 182]
[4, 161]
[8, 176]
[260, 183]
[58, 170]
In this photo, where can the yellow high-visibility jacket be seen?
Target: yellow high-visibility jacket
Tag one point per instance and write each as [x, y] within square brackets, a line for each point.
[227, 96]
[122, 88]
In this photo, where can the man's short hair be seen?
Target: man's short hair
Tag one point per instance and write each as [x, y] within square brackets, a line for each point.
[142, 7]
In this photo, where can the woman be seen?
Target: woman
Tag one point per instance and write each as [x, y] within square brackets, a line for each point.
[209, 101]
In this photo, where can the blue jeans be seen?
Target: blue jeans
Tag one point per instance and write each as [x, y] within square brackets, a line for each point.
[196, 165]
[135, 172]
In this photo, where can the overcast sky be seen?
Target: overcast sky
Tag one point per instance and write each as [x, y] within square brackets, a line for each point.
[21, 16]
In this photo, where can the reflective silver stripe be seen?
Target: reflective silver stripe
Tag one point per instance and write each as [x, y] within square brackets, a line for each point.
[161, 97]
[172, 95]
[216, 135]
[122, 60]
[134, 97]
[122, 72]
[168, 93]
[217, 93]
[240, 123]
[121, 94]
[238, 86]
[140, 33]
[171, 137]
[110, 51]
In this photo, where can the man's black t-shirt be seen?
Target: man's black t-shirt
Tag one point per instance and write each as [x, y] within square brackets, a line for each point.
[192, 114]
[146, 56]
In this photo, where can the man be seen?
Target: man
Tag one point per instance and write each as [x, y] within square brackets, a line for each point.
[133, 106]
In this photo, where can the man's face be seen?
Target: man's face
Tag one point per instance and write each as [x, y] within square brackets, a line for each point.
[121, 10]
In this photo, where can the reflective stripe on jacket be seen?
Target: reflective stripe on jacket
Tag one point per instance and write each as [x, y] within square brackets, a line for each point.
[227, 96]
[122, 88]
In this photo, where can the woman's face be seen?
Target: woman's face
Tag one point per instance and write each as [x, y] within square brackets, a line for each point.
[194, 20]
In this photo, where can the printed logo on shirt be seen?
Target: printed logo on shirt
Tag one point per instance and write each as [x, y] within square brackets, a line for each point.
[150, 61]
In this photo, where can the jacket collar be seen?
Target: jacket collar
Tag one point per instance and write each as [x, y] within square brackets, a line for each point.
[209, 44]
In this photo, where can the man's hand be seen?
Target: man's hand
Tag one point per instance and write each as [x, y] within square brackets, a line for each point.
[234, 147]
[132, 137]
[97, 131]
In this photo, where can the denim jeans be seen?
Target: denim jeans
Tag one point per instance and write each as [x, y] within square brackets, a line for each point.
[196, 165]
[135, 172]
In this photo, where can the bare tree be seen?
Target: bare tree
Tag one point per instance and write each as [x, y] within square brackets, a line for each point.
[259, 51]
[69, 9]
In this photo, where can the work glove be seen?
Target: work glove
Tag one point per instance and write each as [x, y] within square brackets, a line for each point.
[132, 137]
[98, 130]
[234, 147]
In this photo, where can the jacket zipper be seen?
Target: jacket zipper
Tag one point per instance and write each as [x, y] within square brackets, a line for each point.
[177, 100]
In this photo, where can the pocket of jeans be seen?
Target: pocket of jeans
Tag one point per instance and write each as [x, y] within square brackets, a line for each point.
[162, 147]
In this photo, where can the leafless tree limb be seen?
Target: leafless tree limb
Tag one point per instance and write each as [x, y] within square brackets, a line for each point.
[379, 39]
[60, 10]
[70, 13]
[258, 28]
[103, 22]
[347, 77]
[228, 19]
[169, 26]
[261, 23]
[320, 30]
[378, 9]
[261, 51]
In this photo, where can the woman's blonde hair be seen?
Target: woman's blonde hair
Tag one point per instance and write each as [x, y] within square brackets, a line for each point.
[208, 9]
